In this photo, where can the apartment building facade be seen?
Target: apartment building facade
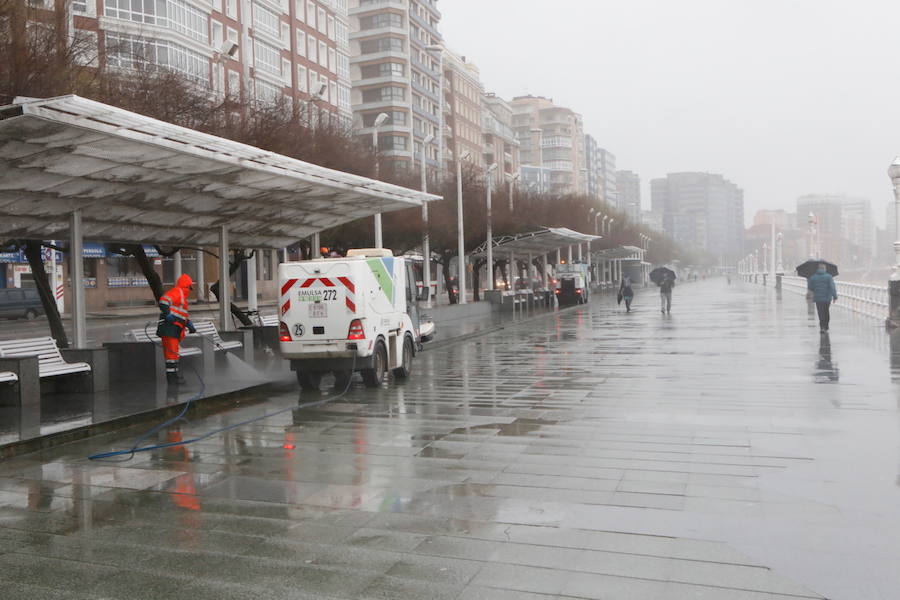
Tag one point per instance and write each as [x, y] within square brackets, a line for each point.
[842, 230]
[395, 70]
[551, 137]
[462, 111]
[263, 50]
[500, 144]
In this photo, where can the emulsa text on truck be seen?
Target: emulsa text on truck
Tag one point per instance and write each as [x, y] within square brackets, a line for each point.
[357, 313]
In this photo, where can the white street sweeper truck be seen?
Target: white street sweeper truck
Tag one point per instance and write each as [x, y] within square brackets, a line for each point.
[355, 313]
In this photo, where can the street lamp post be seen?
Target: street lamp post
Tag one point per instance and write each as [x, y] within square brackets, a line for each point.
[894, 282]
[461, 237]
[426, 240]
[490, 234]
[379, 121]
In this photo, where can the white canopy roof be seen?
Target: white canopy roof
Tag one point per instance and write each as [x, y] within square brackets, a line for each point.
[137, 179]
[537, 242]
[619, 252]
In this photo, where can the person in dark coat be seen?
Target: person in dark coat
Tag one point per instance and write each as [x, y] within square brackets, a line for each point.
[665, 293]
[824, 292]
[626, 292]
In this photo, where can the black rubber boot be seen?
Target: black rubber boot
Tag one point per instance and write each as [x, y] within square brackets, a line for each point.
[172, 376]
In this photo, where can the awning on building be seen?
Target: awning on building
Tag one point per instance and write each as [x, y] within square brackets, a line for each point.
[539, 242]
[137, 179]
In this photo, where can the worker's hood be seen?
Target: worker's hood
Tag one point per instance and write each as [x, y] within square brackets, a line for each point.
[185, 282]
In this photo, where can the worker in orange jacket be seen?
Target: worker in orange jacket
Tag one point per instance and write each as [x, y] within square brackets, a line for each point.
[173, 320]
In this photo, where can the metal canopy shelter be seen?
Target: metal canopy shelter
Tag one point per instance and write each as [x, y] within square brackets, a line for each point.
[540, 243]
[620, 252]
[74, 168]
[537, 242]
[136, 179]
[610, 261]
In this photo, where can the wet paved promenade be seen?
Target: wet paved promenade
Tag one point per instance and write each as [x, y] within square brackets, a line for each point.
[724, 452]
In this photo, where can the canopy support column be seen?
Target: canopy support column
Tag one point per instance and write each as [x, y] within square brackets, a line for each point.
[315, 246]
[570, 254]
[252, 302]
[224, 281]
[179, 268]
[76, 272]
[200, 284]
[579, 253]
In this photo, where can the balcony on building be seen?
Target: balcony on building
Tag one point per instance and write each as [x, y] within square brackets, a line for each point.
[364, 7]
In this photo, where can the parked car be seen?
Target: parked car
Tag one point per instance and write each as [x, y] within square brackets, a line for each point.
[20, 303]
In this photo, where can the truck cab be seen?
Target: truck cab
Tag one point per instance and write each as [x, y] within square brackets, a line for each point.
[357, 313]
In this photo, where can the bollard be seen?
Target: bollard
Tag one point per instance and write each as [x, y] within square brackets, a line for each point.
[778, 277]
[893, 319]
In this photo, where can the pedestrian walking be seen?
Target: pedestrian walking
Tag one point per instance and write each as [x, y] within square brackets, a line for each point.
[824, 292]
[626, 292]
[665, 293]
[173, 320]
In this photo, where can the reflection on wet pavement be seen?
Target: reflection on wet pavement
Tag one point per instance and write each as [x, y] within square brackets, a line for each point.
[592, 454]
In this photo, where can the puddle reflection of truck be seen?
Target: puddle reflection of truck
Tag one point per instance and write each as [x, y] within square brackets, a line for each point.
[358, 313]
[572, 286]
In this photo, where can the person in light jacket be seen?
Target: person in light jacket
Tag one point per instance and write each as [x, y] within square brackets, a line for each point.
[824, 292]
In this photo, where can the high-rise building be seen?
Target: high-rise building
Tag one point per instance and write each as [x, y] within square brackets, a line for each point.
[500, 144]
[628, 187]
[396, 70]
[593, 168]
[551, 137]
[843, 230]
[702, 211]
[257, 49]
[608, 189]
[462, 110]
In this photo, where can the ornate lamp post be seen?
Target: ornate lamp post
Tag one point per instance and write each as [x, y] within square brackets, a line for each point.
[894, 283]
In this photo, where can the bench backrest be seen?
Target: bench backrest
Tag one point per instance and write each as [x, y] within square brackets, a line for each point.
[208, 328]
[270, 320]
[142, 335]
[44, 348]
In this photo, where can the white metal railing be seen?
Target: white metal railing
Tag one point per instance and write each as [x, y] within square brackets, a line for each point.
[864, 298]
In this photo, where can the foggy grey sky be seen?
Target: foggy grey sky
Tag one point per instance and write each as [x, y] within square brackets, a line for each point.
[783, 97]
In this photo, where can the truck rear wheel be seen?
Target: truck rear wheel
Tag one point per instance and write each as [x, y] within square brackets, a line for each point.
[405, 368]
[309, 380]
[376, 376]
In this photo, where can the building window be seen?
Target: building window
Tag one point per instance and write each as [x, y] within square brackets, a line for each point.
[301, 43]
[132, 52]
[397, 117]
[311, 48]
[323, 54]
[174, 14]
[393, 142]
[330, 32]
[343, 66]
[381, 20]
[321, 22]
[266, 58]
[266, 21]
[266, 92]
[310, 14]
[385, 94]
[301, 12]
[301, 78]
[385, 69]
[385, 44]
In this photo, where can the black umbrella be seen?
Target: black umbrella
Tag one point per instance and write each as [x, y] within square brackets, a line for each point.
[811, 266]
[659, 273]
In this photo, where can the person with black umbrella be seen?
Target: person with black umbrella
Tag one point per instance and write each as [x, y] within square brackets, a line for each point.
[824, 292]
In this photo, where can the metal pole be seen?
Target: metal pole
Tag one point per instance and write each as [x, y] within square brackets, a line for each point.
[490, 238]
[511, 193]
[570, 254]
[252, 301]
[897, 228]
[56, 286]
[426, 240]
[461, 237]
[315, 246]
[379, 241]
[178, 268]
[224, 282]
[76, 273]
[200, 284]
[579, 253]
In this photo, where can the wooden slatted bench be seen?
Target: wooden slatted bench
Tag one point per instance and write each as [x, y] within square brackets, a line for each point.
[149, 335]
[50, 359]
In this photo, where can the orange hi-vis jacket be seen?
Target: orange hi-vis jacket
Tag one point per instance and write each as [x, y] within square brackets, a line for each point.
[175, 302]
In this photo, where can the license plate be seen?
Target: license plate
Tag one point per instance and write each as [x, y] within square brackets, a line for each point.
[319, 310]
